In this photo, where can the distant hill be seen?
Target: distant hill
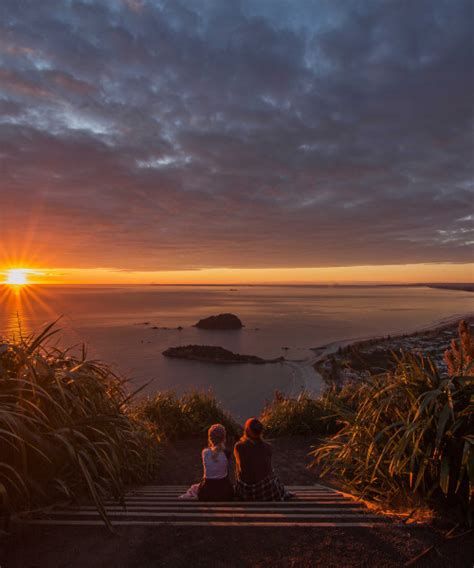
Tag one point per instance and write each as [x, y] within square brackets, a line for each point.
[456, 286]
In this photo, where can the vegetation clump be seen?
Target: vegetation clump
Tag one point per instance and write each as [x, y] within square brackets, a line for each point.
[300, 416]
[409, 432]
[215, 354]
[67, 429]
[186, 416]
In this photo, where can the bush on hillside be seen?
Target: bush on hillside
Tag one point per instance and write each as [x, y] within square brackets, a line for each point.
[186, 416]
[286, 416]
[409, 432]
[66, 427]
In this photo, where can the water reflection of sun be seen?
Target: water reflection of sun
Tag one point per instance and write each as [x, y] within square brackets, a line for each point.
[20, 305]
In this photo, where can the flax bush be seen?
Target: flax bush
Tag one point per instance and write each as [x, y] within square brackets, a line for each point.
[409, 432]
[66, 428]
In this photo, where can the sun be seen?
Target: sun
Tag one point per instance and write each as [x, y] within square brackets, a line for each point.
[16, 277]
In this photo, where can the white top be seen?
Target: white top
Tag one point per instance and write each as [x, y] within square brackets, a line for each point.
[214, 468]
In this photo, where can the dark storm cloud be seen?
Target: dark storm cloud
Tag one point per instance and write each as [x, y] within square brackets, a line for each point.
[187, 134]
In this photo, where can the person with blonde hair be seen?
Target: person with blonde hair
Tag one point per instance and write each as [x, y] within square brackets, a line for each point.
[215, 484]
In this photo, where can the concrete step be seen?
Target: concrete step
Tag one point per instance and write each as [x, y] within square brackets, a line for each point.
[313, 506]
[93, 523]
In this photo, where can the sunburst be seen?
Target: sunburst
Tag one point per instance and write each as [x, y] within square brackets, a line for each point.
[16, 277]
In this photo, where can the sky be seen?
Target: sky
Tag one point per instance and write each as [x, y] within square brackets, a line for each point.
[232, 141]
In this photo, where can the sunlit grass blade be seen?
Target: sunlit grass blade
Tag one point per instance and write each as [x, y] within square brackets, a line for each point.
[66, 427]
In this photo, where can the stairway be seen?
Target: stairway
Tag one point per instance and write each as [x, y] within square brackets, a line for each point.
[313, 506]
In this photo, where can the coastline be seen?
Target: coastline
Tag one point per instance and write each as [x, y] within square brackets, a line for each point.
[459, 286]
[313, 377]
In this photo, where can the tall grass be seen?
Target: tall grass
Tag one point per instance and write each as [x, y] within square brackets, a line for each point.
[186, 416]
[409, 432]
[66, 429]
[300, 416]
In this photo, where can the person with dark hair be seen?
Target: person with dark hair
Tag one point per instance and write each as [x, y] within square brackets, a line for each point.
[255, 479]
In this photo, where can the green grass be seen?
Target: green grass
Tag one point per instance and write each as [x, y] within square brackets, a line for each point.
[286, 416]
[409, 433]
[70, 430]
[66, 427]
[186, 416]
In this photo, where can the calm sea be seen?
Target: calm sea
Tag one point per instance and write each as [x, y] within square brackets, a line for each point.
[111, 320]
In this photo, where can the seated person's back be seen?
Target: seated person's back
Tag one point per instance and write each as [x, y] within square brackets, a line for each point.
[215, 465]
[253, 460]
[254, 476]
[215, 484]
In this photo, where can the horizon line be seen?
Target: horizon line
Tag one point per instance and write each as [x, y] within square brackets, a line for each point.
[259, 284]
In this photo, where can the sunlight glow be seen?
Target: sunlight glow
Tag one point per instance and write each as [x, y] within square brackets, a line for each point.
[16, 277]
[383, 274]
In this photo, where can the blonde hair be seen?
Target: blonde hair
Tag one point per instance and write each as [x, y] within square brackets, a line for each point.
[216, 439]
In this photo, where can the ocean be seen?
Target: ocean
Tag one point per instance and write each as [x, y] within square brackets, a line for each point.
[116, 323]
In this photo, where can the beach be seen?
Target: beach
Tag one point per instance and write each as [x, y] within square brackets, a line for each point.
[353, 361]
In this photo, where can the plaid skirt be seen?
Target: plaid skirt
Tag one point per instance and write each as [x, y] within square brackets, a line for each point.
[268, 489]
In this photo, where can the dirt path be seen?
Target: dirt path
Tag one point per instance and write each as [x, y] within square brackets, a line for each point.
[181, 461]
[222, 547]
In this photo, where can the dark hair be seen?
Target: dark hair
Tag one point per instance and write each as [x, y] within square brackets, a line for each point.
[253, 428]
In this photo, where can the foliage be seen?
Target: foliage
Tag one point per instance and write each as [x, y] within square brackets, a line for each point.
[303, 415]
[409, 431]
[186, 416]
[459, 358]
[65, 427]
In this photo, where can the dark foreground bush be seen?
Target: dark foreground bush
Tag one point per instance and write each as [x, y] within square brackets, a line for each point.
[186, 416]
[299, 416]
[409, 433]
[66, 427]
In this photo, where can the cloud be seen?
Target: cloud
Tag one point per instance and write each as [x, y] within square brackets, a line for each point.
[164, 135]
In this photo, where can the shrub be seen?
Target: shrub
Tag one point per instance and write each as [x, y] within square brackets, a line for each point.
[459, 358]
[66, 427]
[409, 432]
[186, 416]
[303, 415]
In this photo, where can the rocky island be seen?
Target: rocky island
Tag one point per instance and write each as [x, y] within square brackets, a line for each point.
[215, 354]
[220, 322]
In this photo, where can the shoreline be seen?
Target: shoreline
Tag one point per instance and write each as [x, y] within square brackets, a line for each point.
[314, 382]
[434, 326]
[352, 362]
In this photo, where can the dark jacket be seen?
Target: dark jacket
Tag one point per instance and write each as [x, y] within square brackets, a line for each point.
[253, 460]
